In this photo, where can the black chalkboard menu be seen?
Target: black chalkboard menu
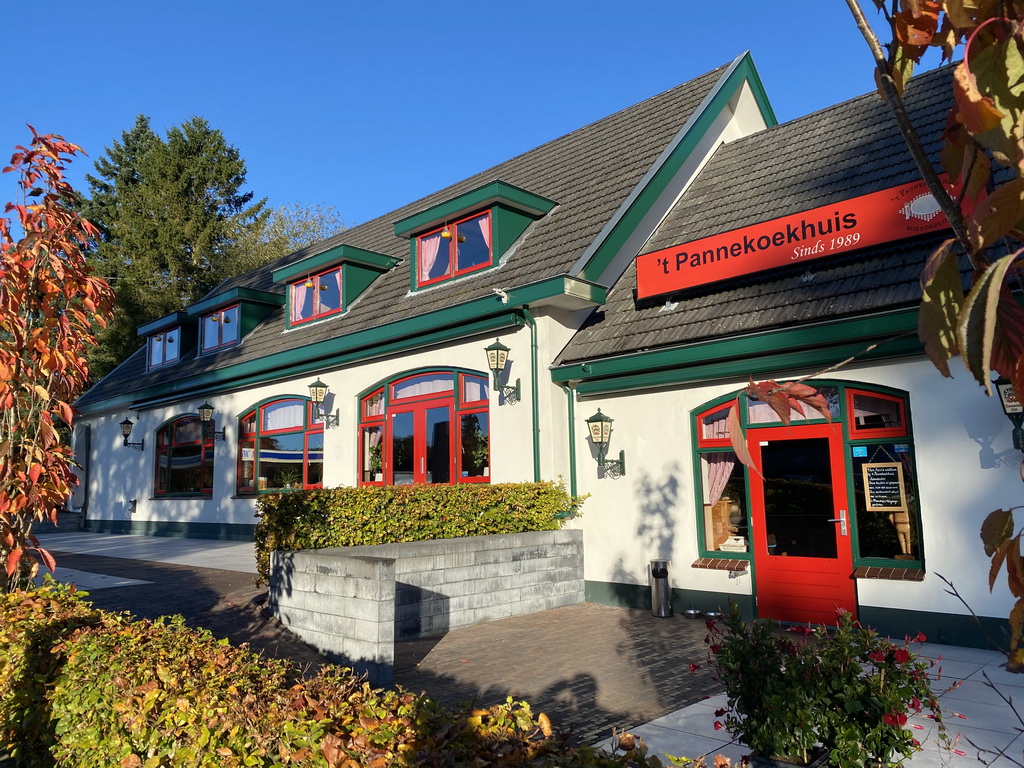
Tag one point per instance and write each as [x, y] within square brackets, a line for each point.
[884, 490]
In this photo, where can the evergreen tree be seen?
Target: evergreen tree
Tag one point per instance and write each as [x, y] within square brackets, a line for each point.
[171, 213]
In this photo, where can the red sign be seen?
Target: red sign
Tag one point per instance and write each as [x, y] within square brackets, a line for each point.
[880, 217]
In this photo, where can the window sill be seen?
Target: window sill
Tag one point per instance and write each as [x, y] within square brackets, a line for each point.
[720, 564]
[885, 572]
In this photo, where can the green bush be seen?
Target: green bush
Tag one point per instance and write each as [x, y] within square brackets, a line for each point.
[95, 689]
[349, 517]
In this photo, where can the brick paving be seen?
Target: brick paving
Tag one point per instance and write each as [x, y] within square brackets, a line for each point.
[589, 667]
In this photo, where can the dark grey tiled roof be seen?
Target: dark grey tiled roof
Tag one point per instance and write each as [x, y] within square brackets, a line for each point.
[844, 151]
[588, 173]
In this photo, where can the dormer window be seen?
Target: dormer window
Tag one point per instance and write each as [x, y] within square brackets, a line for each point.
[454, 249]
[163, 347]
[220, 329]
[316, 296]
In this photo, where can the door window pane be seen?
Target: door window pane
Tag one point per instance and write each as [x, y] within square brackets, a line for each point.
[798, 498]
[402, 459]
[373, 454]
[475, 445]
[439, 450]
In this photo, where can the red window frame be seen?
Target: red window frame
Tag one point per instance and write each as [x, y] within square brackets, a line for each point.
[165, 445]
[713, 442]
[315, 279]
[416, 404]
[225, 316]
[453, 227]
[864, 433]
[250, 431]
[163, 338]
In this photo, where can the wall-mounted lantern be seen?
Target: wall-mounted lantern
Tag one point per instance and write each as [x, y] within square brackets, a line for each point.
[1013, 409]
[600, 427]
[126, 431]
[497, 359]
[318, 393]
[206, 418]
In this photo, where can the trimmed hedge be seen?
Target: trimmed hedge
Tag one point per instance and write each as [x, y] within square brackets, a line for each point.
[349, 517]
[84, 688]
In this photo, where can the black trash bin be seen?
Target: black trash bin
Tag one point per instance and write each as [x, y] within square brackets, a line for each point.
[661, 594]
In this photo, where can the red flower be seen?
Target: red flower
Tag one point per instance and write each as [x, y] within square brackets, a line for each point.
[901, 655]
[920, 638]
[915, 704]
[895, 719]
[877, 656]
[718, 726]
[694, 668]
[714, 648]
[720, 712]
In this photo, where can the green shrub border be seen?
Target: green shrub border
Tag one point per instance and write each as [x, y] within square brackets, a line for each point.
[351, 517]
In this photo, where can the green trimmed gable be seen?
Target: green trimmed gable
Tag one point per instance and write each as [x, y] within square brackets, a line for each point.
[496, 193]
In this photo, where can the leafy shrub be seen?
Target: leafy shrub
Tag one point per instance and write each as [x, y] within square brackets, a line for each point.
[109, 691]
[845, 688]
[349, 517]
[33, 629]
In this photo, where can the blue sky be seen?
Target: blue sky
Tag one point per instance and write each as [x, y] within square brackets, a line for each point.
[368, 106]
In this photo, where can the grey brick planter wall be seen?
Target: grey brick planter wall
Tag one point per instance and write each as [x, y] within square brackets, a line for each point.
[352, 603]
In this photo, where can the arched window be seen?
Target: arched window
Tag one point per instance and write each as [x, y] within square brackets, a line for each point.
[428, 427]
[184, 458]
[280, 447]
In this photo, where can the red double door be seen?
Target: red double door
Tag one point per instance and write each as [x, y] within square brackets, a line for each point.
[803, 558]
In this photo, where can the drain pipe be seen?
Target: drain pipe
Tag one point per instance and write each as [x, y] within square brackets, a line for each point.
[532, 322]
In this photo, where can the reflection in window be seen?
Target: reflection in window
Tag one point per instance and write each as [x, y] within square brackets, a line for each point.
[220, 329]
[876, 412]
[724, 496]
[475, 444]
[280, 448]
[163, 348]
[889, 528]
[184, 459]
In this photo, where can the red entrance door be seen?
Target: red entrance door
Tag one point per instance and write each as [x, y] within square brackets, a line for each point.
[802, 553]
[420, 445]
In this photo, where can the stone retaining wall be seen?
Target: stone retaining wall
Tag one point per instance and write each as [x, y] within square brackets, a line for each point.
[352, 603]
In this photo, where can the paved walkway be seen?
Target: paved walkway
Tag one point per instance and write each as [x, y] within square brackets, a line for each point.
[591, 668]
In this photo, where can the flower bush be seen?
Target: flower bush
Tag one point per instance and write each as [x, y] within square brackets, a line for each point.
[844, 688]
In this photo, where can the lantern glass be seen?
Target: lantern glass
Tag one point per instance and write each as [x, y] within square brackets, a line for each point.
[1008, 398]
[497, 356]
[205, 412]
[317, 392]
[126, 428]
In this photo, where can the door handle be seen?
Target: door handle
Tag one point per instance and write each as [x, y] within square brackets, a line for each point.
[841, 520]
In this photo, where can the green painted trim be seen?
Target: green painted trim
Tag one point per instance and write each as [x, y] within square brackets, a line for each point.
[216, 531]
[757, 345]
[534, 389]
[289, 364]
[946, 628]
[571, 430]
[163, 323]
[339, 254]
[638, 597]
[235, 295]
[742, 71]
[495, 192]
[562, 285]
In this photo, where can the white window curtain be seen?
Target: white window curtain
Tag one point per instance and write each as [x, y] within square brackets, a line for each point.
[299, 295]
[485, 229]
[719, 470]
[429, 247]
[288, 414]
[474, 389]
[424, 385]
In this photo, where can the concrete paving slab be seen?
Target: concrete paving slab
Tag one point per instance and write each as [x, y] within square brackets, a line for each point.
[90, 582]
[204, 553]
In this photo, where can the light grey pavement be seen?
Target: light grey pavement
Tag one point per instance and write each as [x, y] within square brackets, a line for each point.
[977, 714]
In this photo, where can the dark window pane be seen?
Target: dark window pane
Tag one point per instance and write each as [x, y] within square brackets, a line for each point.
[475, 458]
[891, 533]
[474, 237]
[186, 469]
[402, 460]
[281, 461]
[315, 458]
[373, 454]
[438, 445]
